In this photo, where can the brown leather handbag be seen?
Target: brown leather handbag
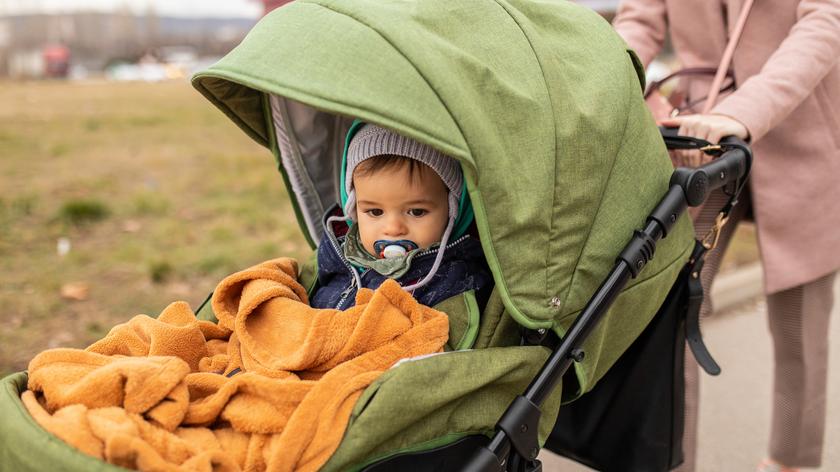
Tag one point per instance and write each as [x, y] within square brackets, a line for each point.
[668, 105]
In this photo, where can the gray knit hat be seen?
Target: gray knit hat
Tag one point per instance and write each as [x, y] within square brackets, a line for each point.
[372, 140]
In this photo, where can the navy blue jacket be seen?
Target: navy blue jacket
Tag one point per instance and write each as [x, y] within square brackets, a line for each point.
[463, 268]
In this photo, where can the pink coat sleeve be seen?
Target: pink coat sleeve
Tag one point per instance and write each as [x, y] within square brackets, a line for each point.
[790, 75]
[642, 24]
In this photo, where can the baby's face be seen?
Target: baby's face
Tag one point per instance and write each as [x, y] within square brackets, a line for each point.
[392, 204]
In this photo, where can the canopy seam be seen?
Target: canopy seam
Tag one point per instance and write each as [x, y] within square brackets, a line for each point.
[546, 289]
[599, 207]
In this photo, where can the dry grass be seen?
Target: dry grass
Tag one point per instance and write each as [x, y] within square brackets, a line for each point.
[158, 193]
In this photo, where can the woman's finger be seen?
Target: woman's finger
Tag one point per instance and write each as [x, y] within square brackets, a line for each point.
[674, 122]
[716, 135]
[702, 130]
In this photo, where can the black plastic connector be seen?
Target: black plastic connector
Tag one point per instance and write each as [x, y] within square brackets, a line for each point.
[694, 182]
[669, 209]
[520, 423]
[638, 252]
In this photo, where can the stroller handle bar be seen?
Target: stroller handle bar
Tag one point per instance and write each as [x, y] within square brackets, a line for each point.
[732, 166]
[692, 186]
[514, 447]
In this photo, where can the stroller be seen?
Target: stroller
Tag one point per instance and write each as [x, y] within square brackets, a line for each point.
[541, 103]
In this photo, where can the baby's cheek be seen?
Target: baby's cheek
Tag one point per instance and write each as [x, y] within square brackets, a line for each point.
[432, 237]
[367, 238]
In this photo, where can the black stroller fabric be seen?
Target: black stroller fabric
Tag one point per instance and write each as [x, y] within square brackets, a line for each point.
[632, 421]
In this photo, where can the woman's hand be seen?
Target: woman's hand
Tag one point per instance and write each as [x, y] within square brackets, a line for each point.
[709, 127]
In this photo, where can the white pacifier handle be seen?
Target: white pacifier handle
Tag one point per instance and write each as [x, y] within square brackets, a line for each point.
[393, 250]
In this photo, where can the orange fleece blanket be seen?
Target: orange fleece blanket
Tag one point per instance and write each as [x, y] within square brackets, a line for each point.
[270, 387]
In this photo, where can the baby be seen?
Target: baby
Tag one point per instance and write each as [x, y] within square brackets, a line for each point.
[408, 212]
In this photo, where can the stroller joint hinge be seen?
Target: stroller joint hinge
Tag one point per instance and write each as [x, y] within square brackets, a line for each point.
[520, 423]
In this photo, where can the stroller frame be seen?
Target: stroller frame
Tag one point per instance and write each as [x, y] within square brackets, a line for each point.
[515, 446]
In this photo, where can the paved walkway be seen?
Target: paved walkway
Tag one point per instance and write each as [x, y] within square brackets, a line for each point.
[735, 407]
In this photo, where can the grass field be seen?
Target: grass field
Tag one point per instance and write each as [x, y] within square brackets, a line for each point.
[158, 194]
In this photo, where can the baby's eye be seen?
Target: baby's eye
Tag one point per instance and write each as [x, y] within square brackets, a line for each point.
[417, 212]
[374, 212]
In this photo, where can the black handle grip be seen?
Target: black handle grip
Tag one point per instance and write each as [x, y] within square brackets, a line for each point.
[732, 166]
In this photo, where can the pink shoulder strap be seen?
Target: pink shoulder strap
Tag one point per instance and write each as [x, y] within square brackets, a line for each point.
[727, 57]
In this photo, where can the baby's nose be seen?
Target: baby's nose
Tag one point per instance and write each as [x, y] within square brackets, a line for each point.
[396, 227]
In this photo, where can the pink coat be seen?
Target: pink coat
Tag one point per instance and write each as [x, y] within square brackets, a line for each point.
[788, 76]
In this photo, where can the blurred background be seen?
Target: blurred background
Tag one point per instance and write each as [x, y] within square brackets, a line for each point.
[121, 188]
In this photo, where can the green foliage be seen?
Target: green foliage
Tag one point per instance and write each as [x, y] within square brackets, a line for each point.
[160, 271]
[83, 211]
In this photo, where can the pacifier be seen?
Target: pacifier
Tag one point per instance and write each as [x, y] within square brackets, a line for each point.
[390, 249]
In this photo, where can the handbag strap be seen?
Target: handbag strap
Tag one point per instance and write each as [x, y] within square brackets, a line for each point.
[655, 85]
[726, 60]
[694, 300]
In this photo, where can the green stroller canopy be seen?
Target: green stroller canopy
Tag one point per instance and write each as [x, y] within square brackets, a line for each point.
[539, 101]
